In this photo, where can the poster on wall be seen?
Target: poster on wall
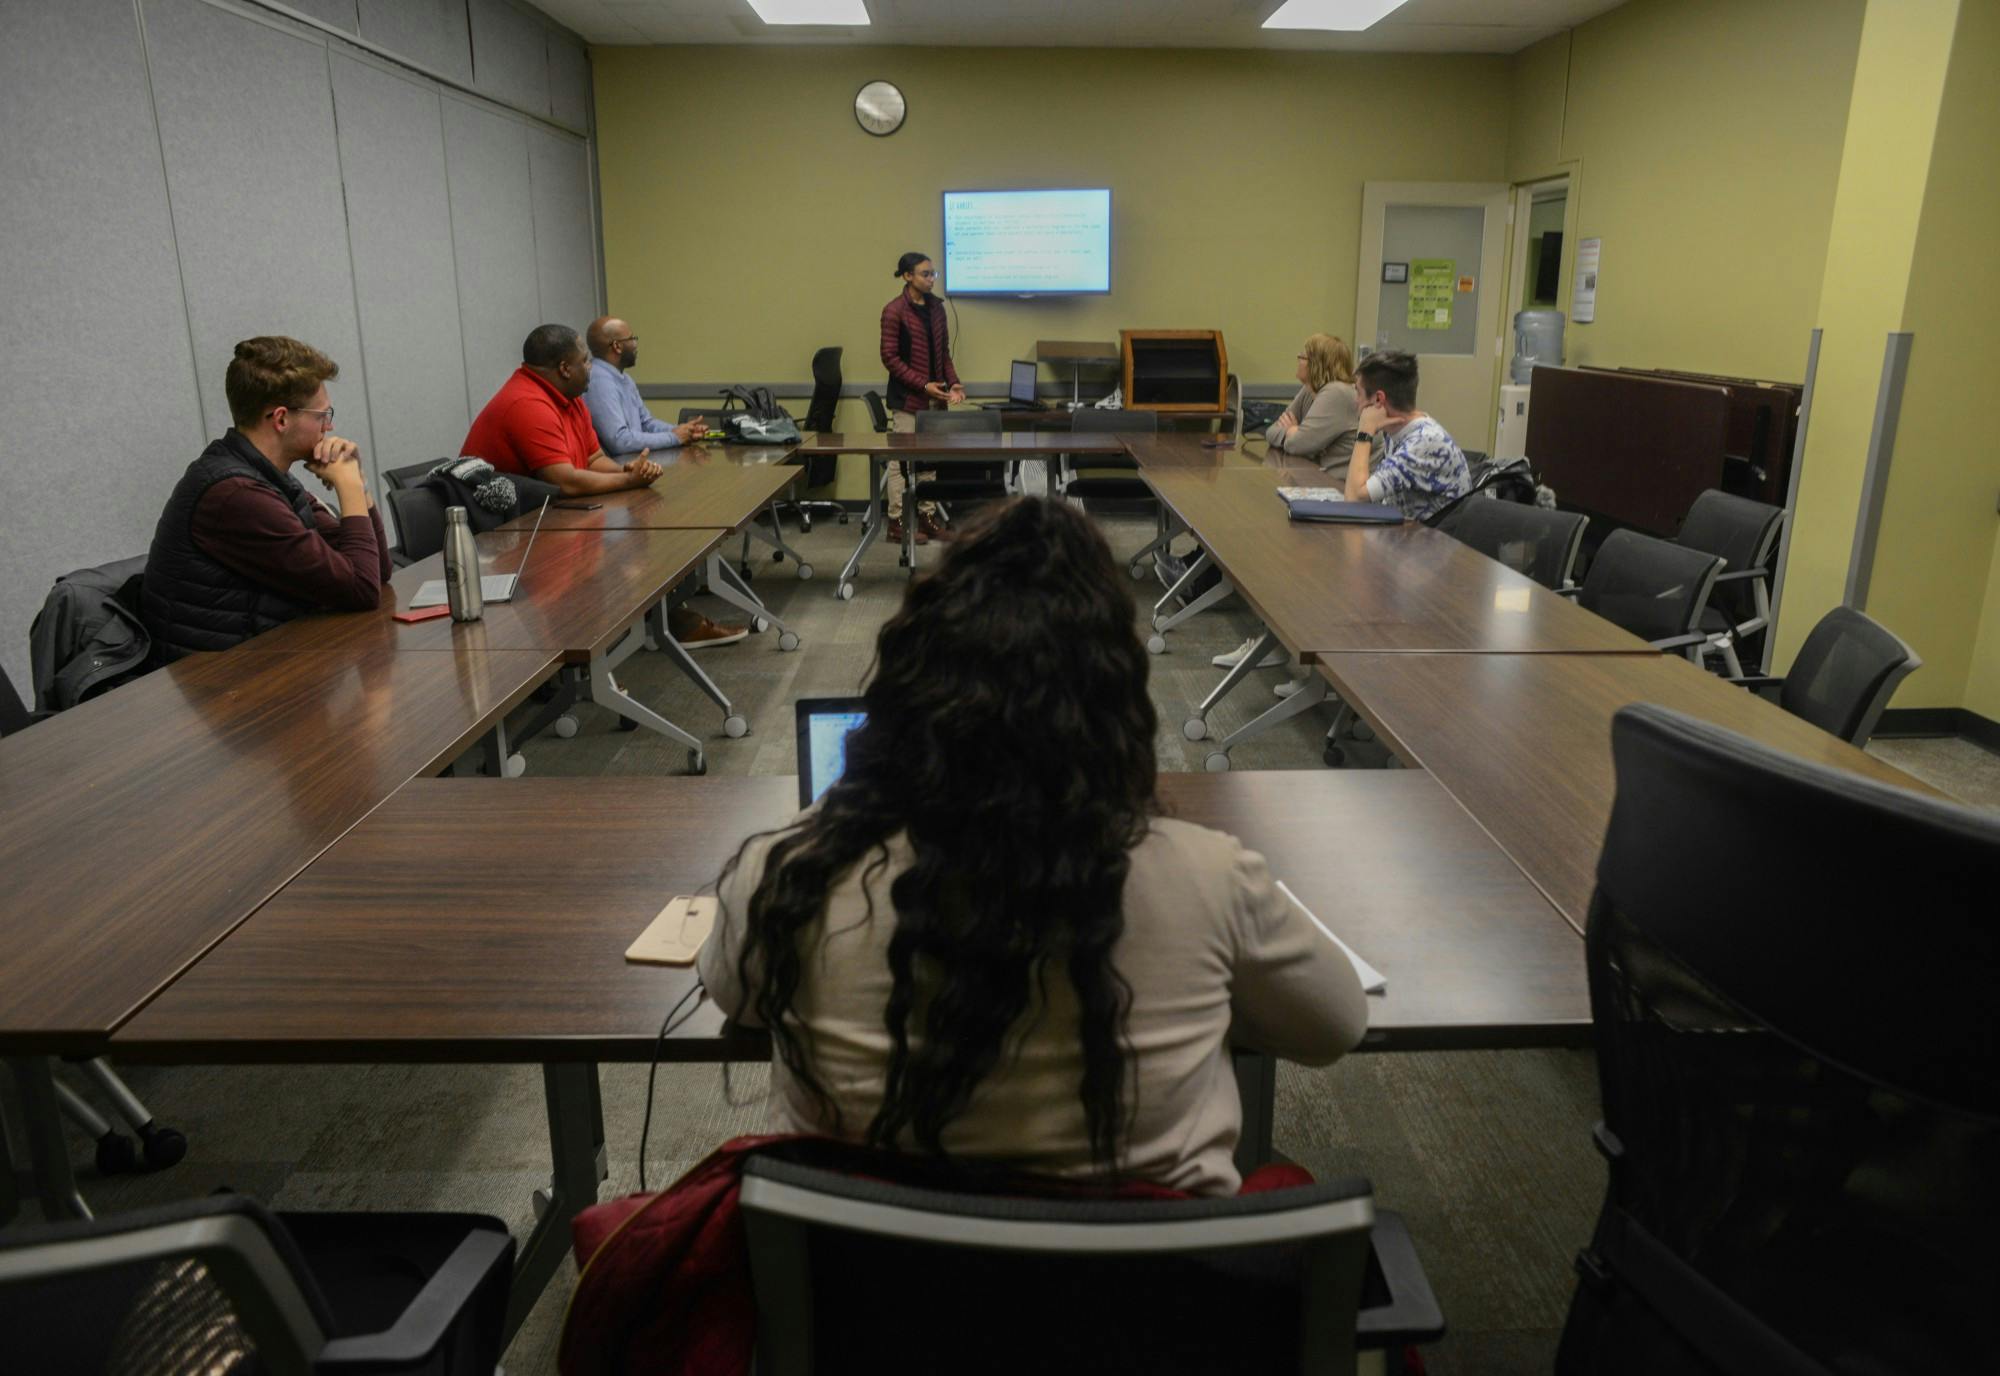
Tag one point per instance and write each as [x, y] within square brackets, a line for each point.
[1431, 282]
[1583, 298]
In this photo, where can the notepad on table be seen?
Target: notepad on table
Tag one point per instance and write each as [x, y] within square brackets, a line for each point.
[1372, 980]
[1314, 504]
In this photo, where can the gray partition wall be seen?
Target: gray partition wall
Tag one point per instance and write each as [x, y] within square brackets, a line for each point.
[405, 184]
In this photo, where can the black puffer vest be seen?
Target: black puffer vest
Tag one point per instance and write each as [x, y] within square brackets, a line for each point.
[193, 603]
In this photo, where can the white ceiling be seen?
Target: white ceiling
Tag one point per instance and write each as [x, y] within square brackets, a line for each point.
[1420, 26]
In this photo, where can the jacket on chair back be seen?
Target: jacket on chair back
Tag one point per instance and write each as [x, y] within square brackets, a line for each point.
[193, 602]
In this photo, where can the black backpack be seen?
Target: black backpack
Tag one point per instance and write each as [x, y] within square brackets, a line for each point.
[751, 415]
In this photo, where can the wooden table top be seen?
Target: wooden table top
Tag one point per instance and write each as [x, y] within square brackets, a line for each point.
[1524, 741]
[705, 487]
[1015, 444]
[139, 827]
[424, 937]
[583, 589]
[1333, 588]
[1171, 450]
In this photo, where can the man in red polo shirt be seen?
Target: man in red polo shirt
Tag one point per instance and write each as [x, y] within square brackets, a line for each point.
[538, 424]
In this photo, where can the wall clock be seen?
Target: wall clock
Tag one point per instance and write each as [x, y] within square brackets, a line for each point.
[879, 108]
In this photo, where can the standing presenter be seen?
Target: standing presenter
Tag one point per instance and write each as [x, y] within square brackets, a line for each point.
[916, 349]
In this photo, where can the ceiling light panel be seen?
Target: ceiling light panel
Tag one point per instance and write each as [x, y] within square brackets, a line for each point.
[852, 12]
[1338, 16]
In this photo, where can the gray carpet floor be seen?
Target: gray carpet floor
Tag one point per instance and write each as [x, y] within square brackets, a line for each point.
[1487, 1153]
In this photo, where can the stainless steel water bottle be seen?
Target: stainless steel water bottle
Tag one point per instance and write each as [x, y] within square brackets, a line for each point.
[461, 568]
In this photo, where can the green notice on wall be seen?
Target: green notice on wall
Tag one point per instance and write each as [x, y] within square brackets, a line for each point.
[1431, 283]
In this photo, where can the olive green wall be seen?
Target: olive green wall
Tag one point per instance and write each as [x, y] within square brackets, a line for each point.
[1707, 135]
[748, 219]
[1936, 545]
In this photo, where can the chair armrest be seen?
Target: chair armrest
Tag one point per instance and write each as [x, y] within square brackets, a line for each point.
[1763, 685]
[1412, 1314]
[1673, 643]
[1740, 574]
[446, 1300]
[1570, 590]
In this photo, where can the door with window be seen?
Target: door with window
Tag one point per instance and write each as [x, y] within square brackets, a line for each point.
[1432, 260]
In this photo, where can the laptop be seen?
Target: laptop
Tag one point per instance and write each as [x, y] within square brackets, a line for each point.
[1020, 390]
[823, 727]
[493, 587]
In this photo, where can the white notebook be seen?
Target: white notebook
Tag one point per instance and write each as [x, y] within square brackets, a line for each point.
[1372, 981]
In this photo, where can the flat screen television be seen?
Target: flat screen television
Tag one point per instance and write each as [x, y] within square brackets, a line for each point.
[1027, 243]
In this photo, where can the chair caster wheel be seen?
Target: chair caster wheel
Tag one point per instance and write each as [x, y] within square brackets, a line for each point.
[735, 727]
[697, 762]
[1217, 762]
[1159, 622]
[1335, 756]
[760, 624]
[843, 518]
[517, 765]
[164, 1146]
[804, 571]
[1138, 572]
[745, 569]
[845, 592]
[1156, 644]
[1361, 730]
[1195, 729]
[627, 724]
[117, 1154]
[788, 640]
[777, 556]
[566, 726]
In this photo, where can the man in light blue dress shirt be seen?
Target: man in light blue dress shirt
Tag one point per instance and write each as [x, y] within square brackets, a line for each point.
[625, 428]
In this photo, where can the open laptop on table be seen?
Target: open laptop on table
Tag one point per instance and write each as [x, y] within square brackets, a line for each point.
[493, 587]
[1020, 390]
[823, 727]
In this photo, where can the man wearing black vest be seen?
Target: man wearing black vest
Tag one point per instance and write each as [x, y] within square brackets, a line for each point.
[241, 546]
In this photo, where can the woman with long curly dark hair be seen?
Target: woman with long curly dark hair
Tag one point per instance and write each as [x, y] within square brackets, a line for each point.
[984, 941]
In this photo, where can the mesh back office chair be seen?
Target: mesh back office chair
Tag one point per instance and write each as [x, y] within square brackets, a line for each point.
[419, 514]
[820, 418]
[878, 411]
[1114, 478]
[219, 1284]
[1844, 675]
[1745, 535]
[1802, 1141]
[1652, 588]
[859, 1275]
[410, 475]
[1540, 543]
[956, 481]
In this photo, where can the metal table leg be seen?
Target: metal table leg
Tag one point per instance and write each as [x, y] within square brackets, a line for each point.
[724, 583]
[775, 538]
[871, 527]
[576, 1143]
[48, 1153]
[1162, 623]
[1311, 693]
[602, 689]
[1196, 727]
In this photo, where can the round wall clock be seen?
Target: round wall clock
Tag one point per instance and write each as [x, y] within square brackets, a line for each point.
[879, 108]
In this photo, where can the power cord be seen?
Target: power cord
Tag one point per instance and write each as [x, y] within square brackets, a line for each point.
[667, 1024]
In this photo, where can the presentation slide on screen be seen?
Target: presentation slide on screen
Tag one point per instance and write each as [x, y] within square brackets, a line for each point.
[1027, 241]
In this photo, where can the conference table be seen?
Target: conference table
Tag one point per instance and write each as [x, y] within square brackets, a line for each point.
[882, 448]
[1523, 742]
[419, 937]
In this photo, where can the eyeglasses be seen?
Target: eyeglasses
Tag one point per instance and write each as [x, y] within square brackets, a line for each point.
[628, 339]
[921, 273]
[325, 415]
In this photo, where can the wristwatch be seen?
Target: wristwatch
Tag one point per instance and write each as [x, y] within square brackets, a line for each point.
[1361, 435]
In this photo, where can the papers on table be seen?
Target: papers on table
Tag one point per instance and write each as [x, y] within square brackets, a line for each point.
[1372, 980]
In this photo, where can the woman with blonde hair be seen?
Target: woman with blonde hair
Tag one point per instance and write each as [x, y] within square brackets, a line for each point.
[1321, 421]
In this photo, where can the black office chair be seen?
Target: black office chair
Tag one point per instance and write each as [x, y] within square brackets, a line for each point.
[221, 1284]
[956, 481]
[878, 411]
[1745, 534]
[1843, 676]
[14, 714]
[410, 475]
[1800, 1069]
[1109, 477]
[1533, 540]
[419, 514]
[822, 416]
[1653, 588]
[858, 1275]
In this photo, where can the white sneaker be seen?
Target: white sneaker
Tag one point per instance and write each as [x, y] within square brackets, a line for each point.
[1271, 660]
[1289, 687]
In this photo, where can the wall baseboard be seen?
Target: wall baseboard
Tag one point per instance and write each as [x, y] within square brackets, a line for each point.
[1940, 721]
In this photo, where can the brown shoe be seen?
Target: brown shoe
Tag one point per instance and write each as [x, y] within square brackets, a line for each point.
[896, 532]
[929, 526]
[693, 631]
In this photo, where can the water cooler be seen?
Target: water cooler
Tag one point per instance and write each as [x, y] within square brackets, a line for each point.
[1538, 340]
